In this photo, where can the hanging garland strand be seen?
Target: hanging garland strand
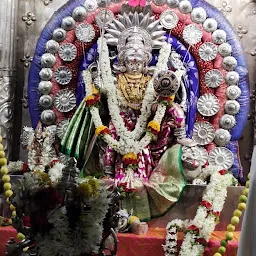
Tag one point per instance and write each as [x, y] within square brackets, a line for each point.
[234, 220]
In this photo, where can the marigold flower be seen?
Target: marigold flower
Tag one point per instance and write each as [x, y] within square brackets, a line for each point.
[101, 130]
[154, 125]
[85, 189]
[130, 159]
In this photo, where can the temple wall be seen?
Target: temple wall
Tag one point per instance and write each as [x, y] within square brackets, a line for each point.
[27, 19]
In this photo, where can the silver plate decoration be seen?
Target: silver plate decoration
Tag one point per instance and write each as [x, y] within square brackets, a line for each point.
[222, 137]
[225, 49]
[219, 36]
[45, 87]
[232, 78]
[91, 5]
[52, 46]
[59, 34]
[62, 127]
[48, 117]
[208, 105]
[208, 51]
[229, 63]
[227, 122]
[198, 15]
[64, 101]
[200, 153]
[185, 6]
[203, 133]
[104, 17]
[68, 23]
[172, 3]
[85, 33]
[233, 92]
[45, 74]
[79, 14]
[221, 157]
[232, 107]
[169, 19]
[45, 101]
[214, 78]
[47, 60]
[192, 34]
[68, 52]
[159, 2]
[63, 75]
[210, 25]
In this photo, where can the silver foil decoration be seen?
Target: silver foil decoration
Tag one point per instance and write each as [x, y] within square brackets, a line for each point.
[198, 15]
[219, 36]
[208, 51]
[172, 3]
[169, 19]
[90, 5]
[79, 14]
[63, 75]
[48, 117]
[45, 87]
[48, 60]
[233, 92]
[203, 133]
[185, 6]
[52, 46]
[192, 34]
[232, 78]
[62, 127]
[232, 107]
[68, 23]
[59, 34]
[85, 33]
[221, 157]
[225, 49]
[64, 100]
[45, 101]
[222, 137]
[214, 78]
[159, 2]
[104, 17]
[229, 63]
[103, 3]
[210, 25]
[45, 74]
[68, 52]
[208, 105]
[227, 121]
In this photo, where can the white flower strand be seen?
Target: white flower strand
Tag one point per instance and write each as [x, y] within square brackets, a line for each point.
[128, 141]
[215, 193]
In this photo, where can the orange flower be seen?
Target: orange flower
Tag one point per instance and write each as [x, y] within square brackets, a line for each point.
[130, 159]
[91, 100]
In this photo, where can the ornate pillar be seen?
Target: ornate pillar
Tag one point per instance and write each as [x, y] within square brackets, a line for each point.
[8, 39]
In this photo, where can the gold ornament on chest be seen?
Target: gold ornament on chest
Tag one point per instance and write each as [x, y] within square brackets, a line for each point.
[132, 88]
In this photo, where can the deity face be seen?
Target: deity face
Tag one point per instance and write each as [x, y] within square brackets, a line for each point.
[134, 67]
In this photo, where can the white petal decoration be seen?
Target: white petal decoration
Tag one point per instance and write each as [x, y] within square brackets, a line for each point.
[169, 19]
[64, 100]
[85, 33]
[233, 92]
[62, 127]
[192, 34]
[208, 51]
[208, 105]
[229, 63]
[222, 157]
[63, 75]
[225, 49]
[185, 6]
[227, 121]
[203, 133]
[232, 107]
[232, 78]
[214, 78]
[67, 52]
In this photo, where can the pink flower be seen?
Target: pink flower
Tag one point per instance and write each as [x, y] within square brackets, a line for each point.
[134, 3]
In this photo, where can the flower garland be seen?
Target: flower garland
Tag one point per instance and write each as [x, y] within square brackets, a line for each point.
[198, 230]
[128, 141]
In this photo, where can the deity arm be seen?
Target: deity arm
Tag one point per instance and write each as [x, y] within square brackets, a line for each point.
[184, 96]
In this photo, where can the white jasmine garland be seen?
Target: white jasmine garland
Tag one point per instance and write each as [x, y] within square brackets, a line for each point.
[205, 219]
[55, 173]
[129, 140]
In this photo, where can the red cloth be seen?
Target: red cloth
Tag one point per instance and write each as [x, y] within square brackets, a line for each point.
[151, 243]
[143, 245]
